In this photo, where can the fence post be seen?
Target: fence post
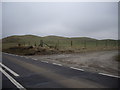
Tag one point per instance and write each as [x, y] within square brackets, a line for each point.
[96, 43]
[71, 43]
[58, 44]
[24, 43]
[29, 43]
[19, 44]
[41, 43]
[35, 44]
[106, 43]
[84, 43]
[117, 43]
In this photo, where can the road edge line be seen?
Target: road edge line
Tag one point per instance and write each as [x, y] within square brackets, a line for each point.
[57, 64]
[18, 85]
[77, 68]
[109, 75]
[11, 71]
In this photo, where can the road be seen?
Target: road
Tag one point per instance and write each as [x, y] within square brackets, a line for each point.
[23, 72]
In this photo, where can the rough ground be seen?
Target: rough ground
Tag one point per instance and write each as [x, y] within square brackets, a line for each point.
[103, 62]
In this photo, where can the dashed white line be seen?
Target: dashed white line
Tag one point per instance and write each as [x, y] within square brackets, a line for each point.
[44, 61]
[109, 75]
[57, 64]
[26, 57]
[34, 59]
[11, 71]
[21, 56]
[5, 53]
[18, 85]
[13, 54]
[9, 54]
[15, 74]
[77, 68]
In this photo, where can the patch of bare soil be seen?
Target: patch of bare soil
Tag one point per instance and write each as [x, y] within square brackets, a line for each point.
[30, 50]
[103, 61]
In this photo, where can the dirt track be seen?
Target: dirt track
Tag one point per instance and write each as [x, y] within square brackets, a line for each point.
[103, 61]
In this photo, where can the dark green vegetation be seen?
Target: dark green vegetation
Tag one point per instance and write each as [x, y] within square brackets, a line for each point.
[18, 44]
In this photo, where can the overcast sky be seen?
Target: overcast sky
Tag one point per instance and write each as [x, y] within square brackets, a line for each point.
[79, 19]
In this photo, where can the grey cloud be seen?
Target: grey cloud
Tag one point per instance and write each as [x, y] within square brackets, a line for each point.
[98, 20]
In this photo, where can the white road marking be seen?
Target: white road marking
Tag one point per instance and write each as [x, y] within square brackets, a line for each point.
[13, 54]
[9, 54]
[18, 85]
[44, 61]
[57, 64]
[26, 57]
[11, 71]
[34, 59]
[109, 75]
[4, 52]
[77, 68]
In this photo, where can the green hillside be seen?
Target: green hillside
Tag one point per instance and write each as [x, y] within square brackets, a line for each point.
[60, 42]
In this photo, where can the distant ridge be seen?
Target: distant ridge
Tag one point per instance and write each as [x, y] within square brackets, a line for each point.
[30, 38]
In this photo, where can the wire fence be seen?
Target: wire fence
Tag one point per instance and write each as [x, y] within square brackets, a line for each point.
[72, 44]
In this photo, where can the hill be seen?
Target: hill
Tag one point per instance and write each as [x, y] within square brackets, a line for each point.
[61, 42]
[20, 39]
[33, 38]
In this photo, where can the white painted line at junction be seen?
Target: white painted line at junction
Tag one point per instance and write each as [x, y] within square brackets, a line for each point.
[57, 64]
[18, 85]
[109, 75]
[77, 68]
[11, 71]
[44, 61]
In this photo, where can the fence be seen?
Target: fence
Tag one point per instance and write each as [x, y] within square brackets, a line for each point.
[74, 44]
